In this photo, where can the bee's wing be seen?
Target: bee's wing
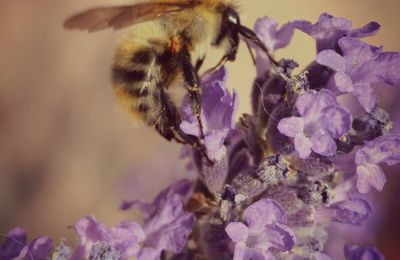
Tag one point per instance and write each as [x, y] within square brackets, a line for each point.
[119, 17]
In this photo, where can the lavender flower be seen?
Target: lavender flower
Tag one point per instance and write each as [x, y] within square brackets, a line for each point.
[167, 225]
[267, 30]
[265, 230]
[384, 149]
[354, 252]
[322, 119]
[329, 29]
[360, 66]
[218, 111]
[15, 246]
[122, 240]
[353, 211]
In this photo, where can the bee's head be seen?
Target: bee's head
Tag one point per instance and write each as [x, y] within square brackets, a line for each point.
[232, 29]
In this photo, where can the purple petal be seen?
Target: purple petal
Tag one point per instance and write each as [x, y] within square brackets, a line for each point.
[124, 238]
[148, 253]
[190, 128]
[304, 26]
[385, 68]
[13, 244]
[384, 149]
[214, 176]
[357, 52]
[214, 142]
[41, 248]
[311, 104]
[210, 78]
[337, 121]
[320, 256]
[166, 225]
[266, 30]
[343, 82]
[365, 95]
[167, 213]
[355, 252]
[89, 232]
[183, 188]
[303, 145]
[370, 175]
[244, 253]
[367, 30]
[218, 108]
[352, 211]
[237, 231]
[327, 30]
[263, 212]
[280, 237]
[172, 235]
[291, 126]
[323, 144]
[332, 60]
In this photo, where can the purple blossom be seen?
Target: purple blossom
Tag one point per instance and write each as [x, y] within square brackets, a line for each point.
[167, 225]
[257, 201]
[355, 252]
[360, 66]
[15, 246]
[217, 114]
[124, 238]
[329, 29]
[354, 211]
[267, 30]
[264, 229]
[384, 149]
[322, 119]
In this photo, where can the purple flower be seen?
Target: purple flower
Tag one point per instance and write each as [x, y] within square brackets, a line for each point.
[322, 119]
[167, 225]
[267, 30]
[384, 149]
[124, 238]
[217, 113]
[352, 211]
[355, 252]
[15, 246]
[264, 229]
[360, 66]
[328, 30]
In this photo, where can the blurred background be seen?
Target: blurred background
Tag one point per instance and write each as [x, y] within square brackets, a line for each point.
[67, 151]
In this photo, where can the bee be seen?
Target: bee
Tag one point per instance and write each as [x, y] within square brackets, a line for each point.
[166, 47]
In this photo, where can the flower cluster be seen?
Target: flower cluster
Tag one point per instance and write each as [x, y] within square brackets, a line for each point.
[281, 175]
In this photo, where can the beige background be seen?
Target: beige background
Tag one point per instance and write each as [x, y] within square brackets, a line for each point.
[66, 151]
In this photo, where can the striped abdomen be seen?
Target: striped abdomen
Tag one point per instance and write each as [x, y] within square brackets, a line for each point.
[141, 73]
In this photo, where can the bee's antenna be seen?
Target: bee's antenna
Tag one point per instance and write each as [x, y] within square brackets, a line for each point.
[251, 36]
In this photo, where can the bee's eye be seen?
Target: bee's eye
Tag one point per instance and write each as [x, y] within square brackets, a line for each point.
[233, 16]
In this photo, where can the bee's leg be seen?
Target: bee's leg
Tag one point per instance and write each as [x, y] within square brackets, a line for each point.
[230, 55]
[221, 63]
[171, 126]
[193, 86]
